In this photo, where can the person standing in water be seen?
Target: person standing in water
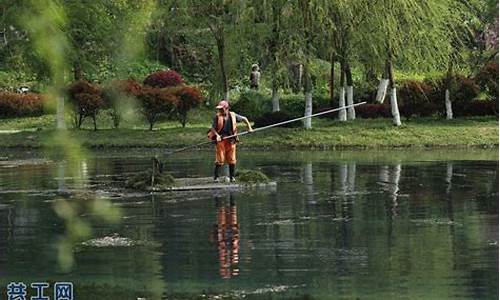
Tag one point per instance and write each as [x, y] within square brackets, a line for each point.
[224, 125]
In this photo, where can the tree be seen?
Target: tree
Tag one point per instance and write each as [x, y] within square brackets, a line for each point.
[87, 101]
[409, 33]
[306, 14]
[156, 102]
[342, 18]
[117, 96]
[188, 97]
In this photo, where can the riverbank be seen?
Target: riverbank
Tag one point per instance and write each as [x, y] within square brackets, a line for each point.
[482, 132]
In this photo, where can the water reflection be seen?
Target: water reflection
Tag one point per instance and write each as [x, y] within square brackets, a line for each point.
[227, 236]
[348, 228]
[389, 178]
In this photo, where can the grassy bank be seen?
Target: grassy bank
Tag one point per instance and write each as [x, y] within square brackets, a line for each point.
[326, 134]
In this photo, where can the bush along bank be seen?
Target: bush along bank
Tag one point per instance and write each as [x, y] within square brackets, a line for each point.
[327, 134]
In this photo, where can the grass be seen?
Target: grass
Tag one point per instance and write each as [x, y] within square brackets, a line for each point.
[35, 132]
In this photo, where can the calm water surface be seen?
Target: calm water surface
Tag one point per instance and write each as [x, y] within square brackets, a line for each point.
[339, 225]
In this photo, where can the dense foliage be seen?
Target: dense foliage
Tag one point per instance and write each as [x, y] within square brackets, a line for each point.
[163, 79]
[155, 103]
[86, 100]
[21, 105]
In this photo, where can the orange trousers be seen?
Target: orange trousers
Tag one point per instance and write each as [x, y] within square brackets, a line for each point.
[225, 152]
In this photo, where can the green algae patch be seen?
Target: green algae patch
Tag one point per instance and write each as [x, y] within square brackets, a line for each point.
[251, 177]
[147, 179]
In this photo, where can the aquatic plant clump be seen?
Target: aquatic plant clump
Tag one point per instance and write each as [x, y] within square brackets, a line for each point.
[145, 180]
[252, 176]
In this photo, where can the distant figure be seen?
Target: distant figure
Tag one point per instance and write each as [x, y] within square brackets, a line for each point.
[255, 77]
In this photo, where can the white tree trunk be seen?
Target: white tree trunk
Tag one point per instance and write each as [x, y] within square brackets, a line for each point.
[382, 90]
[396, 120]
[308, 111]
[226, 96]
[447, 103]
[61, 124]
[276, 100]
[351, 113]
[342, 112]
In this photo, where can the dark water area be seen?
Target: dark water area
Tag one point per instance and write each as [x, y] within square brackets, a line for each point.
[339, 225]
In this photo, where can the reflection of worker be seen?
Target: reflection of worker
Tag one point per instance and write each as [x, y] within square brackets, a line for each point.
[224, 125]
[255, 77]
[227, 235]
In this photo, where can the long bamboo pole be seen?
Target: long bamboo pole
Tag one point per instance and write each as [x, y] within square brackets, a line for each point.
[269, 126]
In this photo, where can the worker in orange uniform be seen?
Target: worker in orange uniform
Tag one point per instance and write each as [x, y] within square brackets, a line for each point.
[224, 125]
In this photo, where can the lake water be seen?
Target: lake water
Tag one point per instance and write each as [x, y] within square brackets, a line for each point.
[339, 225]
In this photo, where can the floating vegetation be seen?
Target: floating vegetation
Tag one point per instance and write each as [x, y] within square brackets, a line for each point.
[113, 240]
[147, 179]
[252, 177]
[436, 222]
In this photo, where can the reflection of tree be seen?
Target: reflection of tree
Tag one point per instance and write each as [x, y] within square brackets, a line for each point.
[61, 184]
[389, 176]
[449, 176]
[345, 180]
[309, 184]
[227, 236]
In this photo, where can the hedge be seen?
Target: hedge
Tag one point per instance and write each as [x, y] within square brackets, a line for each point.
[21, 105]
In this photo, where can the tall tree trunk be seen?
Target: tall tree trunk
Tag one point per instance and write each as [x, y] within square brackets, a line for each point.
[351, 113]
[382, 87]
[274, 52]
[396, 119]
[77, 71]
[342, 111]
[308, 98]
[447, 101]
[332, 80]
[275, 98]
[221, 54]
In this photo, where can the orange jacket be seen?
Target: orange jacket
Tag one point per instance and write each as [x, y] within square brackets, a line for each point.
[220, 125]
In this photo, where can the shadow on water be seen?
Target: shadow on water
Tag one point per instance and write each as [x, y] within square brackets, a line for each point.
[338, 226]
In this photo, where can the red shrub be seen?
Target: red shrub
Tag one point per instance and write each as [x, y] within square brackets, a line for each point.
[116, 93]
[371, 111]
[462, 92]
[20, 105]
[487, 79]
[163, 79]
[129, 87]
[414, 99]
[481, 108]
[156, 102]
[82, 86]
[87, 100]
[188, 97]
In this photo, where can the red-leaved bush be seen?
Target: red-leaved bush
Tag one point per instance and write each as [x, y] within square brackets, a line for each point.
[116, 94]
[156, 102]
[188, 97]
[20, 105]
[487, 79]
[86, 100]
[163, 79]
[372, 111]
[414, 100]
[481, 108]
